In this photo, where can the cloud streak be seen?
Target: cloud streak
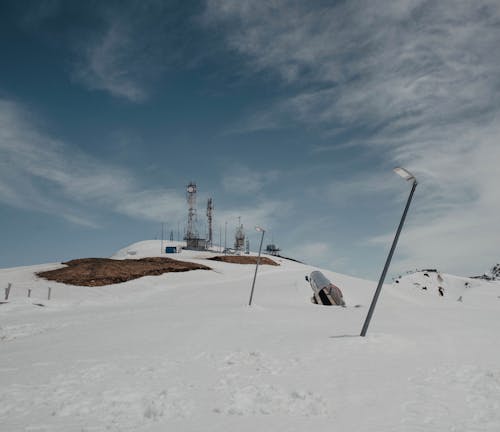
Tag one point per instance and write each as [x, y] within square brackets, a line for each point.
[422, 79]
[44, 174]
[108, 64]
[133, 47]
[40, 173]
[242, 180]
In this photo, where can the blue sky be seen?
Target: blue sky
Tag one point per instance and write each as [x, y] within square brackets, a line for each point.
[289, 114]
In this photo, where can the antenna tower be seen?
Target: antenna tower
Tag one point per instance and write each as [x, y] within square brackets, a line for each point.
[210, 208]
[239, 237]
[191, 199]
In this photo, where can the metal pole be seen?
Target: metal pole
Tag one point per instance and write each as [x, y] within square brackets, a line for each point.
[225, 239]
[256, 268]
[387, 263]
[161, 245]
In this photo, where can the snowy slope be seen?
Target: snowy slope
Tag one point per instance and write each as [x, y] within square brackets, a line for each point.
[184, 352]
[427, 285]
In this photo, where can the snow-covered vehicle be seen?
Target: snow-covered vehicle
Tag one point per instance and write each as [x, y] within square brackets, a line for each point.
[325, 293]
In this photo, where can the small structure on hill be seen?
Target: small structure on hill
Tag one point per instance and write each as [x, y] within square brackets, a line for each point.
[173, 249]
[272, 249]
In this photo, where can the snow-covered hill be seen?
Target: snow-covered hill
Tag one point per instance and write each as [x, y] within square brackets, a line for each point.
[428, 285]
[184, 352]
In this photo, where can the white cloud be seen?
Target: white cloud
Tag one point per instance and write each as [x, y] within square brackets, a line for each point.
[129, 46]
[156, 205]
[109, 64]
[263, 212]
[242, 180]
[311, 252]
[40, 173]
[422, 78]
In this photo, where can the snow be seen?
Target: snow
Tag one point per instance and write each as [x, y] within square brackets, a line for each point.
[183, 351]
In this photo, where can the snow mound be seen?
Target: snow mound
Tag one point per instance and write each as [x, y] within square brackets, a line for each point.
[446, 287]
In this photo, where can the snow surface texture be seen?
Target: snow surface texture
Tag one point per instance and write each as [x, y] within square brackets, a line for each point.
[184, 352]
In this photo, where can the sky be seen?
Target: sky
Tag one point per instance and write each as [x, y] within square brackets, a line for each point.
[289, 114]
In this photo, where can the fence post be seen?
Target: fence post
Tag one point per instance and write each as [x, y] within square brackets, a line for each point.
[50, 292]
[29, 292]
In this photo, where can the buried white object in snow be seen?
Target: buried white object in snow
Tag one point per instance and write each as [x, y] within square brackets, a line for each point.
[325, 293]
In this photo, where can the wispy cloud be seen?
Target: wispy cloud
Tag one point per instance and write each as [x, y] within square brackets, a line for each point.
[243, 180]
[420, 78]
[109, 64]
[40, 173]
[311, 252]
[265, 212]
[130, 45]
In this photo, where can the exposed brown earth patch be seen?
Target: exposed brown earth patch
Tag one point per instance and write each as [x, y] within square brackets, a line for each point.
[106, 271]
[243, 259]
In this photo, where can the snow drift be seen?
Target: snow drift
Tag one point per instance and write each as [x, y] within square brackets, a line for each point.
[182, 351]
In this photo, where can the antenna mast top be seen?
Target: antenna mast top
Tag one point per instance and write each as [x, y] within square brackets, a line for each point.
[191, 199]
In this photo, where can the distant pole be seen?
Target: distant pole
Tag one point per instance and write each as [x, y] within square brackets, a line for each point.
[257, 228]
[407, 176]
[161, 244]
[29, 292]
[49, 293]
[7, 291]
[225, 239]
[220, 237]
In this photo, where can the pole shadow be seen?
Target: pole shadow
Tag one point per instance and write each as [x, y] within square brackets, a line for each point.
[344, 336]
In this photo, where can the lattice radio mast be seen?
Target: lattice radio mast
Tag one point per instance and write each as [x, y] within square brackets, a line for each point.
[191, 199]
[210, 208]
[239, 237]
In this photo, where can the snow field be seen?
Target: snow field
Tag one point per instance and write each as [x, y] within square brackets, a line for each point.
[182, 351]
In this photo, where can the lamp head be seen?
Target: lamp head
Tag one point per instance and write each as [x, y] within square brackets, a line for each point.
[404, 173]
[259, 229]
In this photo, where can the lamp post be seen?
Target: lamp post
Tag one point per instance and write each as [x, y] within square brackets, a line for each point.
[262, 230]
[407, 176]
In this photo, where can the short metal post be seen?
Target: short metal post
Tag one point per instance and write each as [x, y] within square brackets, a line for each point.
[7, 291]
[29, 292]
[49, 293]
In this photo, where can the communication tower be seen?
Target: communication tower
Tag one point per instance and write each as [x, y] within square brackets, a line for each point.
[191, 232]
[210, 208]
[239, 237]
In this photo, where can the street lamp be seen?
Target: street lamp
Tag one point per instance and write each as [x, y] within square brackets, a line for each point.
[262, 230]
[408, 176]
